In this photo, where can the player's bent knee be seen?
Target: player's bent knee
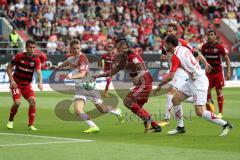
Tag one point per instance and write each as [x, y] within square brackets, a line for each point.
[175, 101]
[17, 103]
[32, 101]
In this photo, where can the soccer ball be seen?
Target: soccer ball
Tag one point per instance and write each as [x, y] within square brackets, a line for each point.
[88, 83]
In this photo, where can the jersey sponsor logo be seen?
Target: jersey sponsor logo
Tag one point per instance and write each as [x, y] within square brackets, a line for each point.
[207, 56]
[215, 50]
[32, 64]
[25, 69]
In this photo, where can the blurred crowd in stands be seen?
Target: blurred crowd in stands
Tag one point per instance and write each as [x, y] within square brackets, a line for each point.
[98, 22]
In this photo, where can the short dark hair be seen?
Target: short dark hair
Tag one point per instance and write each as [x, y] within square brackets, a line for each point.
[173, 25]
[211, 31]
[30, 41]
[172, 39]
[74, 41]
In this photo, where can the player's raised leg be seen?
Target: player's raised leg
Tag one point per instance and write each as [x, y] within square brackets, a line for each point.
[103, 108]
[210, 116]
[78, 109]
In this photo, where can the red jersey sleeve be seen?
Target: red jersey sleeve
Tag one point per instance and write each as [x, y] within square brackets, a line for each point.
[175, 63]
[222, 50]
[15, 60]
[83, 63]
[38, 64]
[135, 58]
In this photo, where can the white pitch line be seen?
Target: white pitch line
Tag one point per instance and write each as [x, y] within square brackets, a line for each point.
[39, 143]
[47, 137]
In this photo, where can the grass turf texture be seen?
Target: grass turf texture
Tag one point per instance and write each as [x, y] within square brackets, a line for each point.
[118, 142]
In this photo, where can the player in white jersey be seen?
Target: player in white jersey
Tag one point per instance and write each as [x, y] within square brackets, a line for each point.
[180, 77]
[196, 87]
[78, 63]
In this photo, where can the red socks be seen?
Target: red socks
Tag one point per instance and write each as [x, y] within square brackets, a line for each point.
[142, 113]
[220, 100]
[108, 83]
[209, 96]
[13, 113]
[31, 115]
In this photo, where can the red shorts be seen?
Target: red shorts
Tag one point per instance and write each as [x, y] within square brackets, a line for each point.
[25, 90]
[216, 80]
[141, 92]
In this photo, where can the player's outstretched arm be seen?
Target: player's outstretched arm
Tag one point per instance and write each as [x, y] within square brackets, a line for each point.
[79, 75]
[9, 70]
[64, 64]
[112, 72]
[202, 59]
[164, 81]
[39, 73]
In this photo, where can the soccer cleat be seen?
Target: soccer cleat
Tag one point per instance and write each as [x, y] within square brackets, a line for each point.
[164, 122]
[150, 129]
[226, 129]
[120, 117]
[10, 125]
[92, 130]
[155, 129]
[32, 128]
[220, 115]
[178, 130]
[210, 106]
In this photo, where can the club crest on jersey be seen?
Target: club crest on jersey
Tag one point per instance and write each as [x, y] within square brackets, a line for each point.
[135, 61]
[32, 64]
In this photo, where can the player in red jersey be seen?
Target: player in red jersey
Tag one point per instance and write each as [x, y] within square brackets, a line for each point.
[25, 64]
[213, 51]
[142, 80]
[107, 59]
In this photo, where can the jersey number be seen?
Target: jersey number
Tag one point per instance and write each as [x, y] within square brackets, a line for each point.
[15, 91]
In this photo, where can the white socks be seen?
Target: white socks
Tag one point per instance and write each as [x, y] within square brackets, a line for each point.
[210, 116]
[178, 111]
[87, 119]
[115, 111]
[168, 106]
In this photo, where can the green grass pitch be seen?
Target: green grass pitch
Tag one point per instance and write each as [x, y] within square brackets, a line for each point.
[116, 142]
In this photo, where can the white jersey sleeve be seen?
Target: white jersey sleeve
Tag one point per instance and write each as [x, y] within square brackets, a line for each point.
[188, 62]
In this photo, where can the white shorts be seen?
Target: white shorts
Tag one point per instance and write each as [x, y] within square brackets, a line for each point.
[197, 89]
[180, 78]
[94, 95]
